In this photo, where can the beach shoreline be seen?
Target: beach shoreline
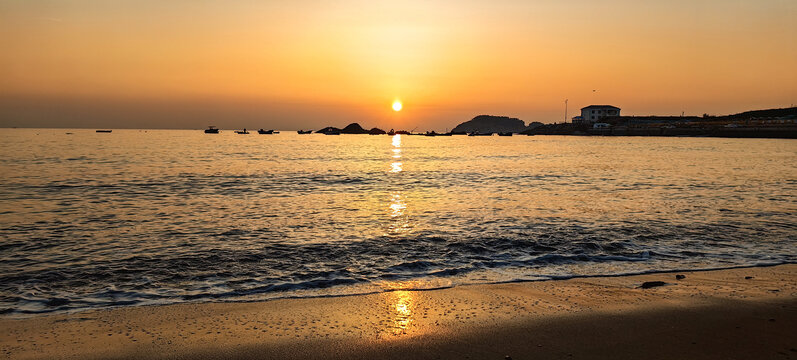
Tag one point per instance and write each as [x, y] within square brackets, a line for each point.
[733, 313]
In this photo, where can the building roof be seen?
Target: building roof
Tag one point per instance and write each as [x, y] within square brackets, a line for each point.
[600, 106]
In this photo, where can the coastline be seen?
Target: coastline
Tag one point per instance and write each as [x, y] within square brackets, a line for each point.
[708, 314]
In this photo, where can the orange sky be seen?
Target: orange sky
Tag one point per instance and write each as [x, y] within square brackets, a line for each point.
[306, 64]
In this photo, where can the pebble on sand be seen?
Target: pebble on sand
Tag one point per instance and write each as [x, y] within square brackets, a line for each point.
[652, 284]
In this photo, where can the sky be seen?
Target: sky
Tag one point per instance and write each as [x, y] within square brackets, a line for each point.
[309, 64]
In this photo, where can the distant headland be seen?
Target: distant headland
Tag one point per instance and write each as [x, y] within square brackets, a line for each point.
[605, 120]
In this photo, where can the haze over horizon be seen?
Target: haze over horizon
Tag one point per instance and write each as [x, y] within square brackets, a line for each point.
[309, 64]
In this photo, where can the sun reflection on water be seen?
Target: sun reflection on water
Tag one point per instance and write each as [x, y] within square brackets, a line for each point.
[396, 166]
[397, 206]
[397, 140]
[399, 220]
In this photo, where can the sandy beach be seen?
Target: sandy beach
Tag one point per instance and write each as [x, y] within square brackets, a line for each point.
[726, 314]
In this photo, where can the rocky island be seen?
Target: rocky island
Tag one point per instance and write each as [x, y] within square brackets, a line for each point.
[486, 124]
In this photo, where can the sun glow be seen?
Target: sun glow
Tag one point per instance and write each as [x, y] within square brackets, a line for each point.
[397, 105]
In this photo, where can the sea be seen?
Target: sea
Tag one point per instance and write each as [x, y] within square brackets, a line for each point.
[140, 217]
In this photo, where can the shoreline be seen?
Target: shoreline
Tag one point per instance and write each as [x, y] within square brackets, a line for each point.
[233, 300]
[719, 307]
[553, 129]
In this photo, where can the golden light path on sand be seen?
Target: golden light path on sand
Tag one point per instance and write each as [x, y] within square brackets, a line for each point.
[403, 311]
[401, 303]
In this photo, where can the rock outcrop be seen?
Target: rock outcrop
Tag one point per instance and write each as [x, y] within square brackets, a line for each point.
[328, 129]
[354, 128]
[485, 124]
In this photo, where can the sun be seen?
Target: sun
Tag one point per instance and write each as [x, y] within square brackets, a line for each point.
[397, 105]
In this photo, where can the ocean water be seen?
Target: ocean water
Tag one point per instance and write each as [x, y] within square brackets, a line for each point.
[137, 217]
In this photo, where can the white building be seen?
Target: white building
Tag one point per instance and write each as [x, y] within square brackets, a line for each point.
[593, 113]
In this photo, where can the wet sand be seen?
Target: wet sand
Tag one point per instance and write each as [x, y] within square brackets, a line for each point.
[707, 315]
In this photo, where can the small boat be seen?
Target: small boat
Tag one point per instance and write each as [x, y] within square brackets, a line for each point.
[305, 132]
[431, 133]
[211, 130]
[104, 131]
[265, 132]
[244, 132]
[505, 134]
[391, 132]
[476, 133]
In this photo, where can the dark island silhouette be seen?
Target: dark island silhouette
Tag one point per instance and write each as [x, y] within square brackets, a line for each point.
[353, 128]
[488, 124]
[328, 130]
